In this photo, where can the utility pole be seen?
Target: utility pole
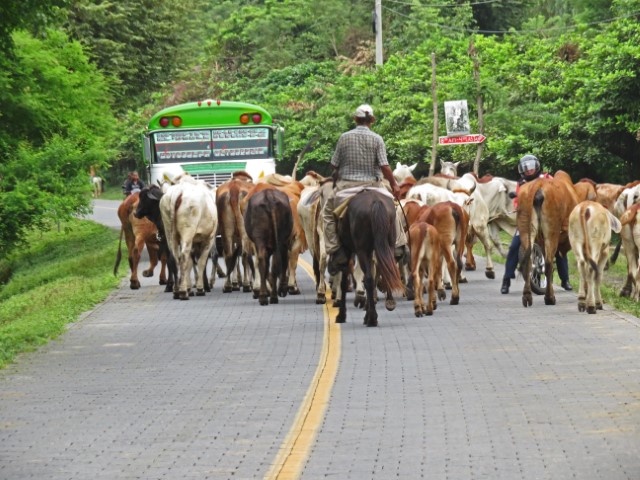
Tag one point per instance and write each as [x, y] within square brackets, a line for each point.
[378, 25]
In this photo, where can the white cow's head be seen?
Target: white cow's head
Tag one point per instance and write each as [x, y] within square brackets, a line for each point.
[449, 168]
[402, 172]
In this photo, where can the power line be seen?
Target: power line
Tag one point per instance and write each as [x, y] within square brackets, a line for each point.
[550, 29]
[447, 6]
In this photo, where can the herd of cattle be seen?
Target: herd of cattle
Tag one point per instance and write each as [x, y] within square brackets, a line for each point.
[260, 228]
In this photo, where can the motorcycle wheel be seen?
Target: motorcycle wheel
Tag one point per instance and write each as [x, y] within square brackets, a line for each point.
[538, 277]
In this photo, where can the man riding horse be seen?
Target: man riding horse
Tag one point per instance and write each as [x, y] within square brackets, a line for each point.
[360, 160]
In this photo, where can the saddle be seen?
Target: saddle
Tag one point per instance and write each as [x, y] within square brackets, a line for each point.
[345, 196]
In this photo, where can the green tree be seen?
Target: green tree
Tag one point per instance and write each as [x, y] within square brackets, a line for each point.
[56, 122]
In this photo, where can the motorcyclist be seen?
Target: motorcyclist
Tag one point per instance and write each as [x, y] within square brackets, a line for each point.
[132, 184]
[529, 169]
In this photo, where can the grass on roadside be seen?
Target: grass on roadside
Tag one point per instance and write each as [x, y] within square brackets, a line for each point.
[612, 282]
[55, 277]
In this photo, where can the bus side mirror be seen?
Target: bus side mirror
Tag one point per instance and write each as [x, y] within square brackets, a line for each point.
[146, 149]
[279, 142]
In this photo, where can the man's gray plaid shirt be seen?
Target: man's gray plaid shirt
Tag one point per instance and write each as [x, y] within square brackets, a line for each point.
[359, 155]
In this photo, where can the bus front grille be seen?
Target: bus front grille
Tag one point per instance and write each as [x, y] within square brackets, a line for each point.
[215, 179]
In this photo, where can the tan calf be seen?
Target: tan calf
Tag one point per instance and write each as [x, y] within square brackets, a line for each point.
[590, 226]
[425, 263]
[630, 234]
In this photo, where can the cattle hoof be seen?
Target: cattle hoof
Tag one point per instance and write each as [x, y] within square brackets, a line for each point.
[447, 286]
[273, 300]
[200, 292]
[625, 292]
[264, 300]
[341, 318]
[256, 294]
[360, 300]
[294, 290]
[147, 273]
[599, 306]
[183, 296]
[490, 274]
[527, 300]
[429, 313]
[168, 288]
[549, 300]
[191, 293]
[372, 322]
[227, 289]
[470, 268]
[390, 304]
[582, 307]
[235, 287]
[134, 285]
[282, 292]
[463, 280]
[321, 300]
[336, 304]
[591, 309]
[246, 288]
[442, 295]
[418, 311]
[454, 301]
[163, 281]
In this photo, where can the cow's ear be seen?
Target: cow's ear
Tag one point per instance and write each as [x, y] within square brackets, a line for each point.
[155, 194]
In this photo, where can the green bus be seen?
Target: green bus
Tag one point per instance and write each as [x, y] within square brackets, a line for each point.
[211, 139]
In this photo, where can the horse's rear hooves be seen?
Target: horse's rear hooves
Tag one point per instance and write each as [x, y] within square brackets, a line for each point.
[490, 274]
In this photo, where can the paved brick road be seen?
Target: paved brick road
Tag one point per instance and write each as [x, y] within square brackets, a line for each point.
[145, 387]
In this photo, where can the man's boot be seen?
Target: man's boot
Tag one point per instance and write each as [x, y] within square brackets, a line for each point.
[566, 285]
[506, 283]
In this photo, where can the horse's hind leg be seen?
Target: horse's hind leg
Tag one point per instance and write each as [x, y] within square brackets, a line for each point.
[370, 316]
[342, 303]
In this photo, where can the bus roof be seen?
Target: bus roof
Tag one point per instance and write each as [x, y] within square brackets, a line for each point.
[210, 113]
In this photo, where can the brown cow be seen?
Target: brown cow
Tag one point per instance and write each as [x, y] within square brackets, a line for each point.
[424, 243]
[544, 206]
[268, 221]
[229, 195]
[630, 235]
[590, 226]
[138, 232]
[452, 223]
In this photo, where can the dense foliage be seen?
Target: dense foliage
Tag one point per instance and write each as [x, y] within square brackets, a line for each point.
[79, 78]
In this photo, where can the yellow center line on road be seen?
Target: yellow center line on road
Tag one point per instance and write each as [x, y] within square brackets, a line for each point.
[295, 449]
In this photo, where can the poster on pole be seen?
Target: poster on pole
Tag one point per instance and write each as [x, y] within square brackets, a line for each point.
[457, 118]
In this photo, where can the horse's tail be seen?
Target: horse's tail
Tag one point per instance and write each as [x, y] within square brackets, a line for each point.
[386, 265]
[119, 254]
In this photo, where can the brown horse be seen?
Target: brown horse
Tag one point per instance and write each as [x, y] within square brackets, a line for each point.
[368, 227]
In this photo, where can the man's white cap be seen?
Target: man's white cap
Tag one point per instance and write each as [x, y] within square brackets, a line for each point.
[363, 110]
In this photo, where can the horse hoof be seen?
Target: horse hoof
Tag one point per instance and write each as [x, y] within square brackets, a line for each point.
[549, 300]
[135, 285]
[490, 274]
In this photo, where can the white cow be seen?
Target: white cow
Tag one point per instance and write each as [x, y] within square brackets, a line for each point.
[590, 226]
[190, 218]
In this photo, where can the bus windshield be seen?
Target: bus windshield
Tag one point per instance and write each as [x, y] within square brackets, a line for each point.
[212, 144]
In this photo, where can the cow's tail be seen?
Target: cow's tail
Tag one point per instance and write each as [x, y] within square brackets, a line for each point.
[238, 226]
[585, 215]
[616, 252]
[119, 254]
[385, 261]
[459, 238]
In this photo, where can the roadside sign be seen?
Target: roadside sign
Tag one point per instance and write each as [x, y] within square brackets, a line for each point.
[462, 139]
